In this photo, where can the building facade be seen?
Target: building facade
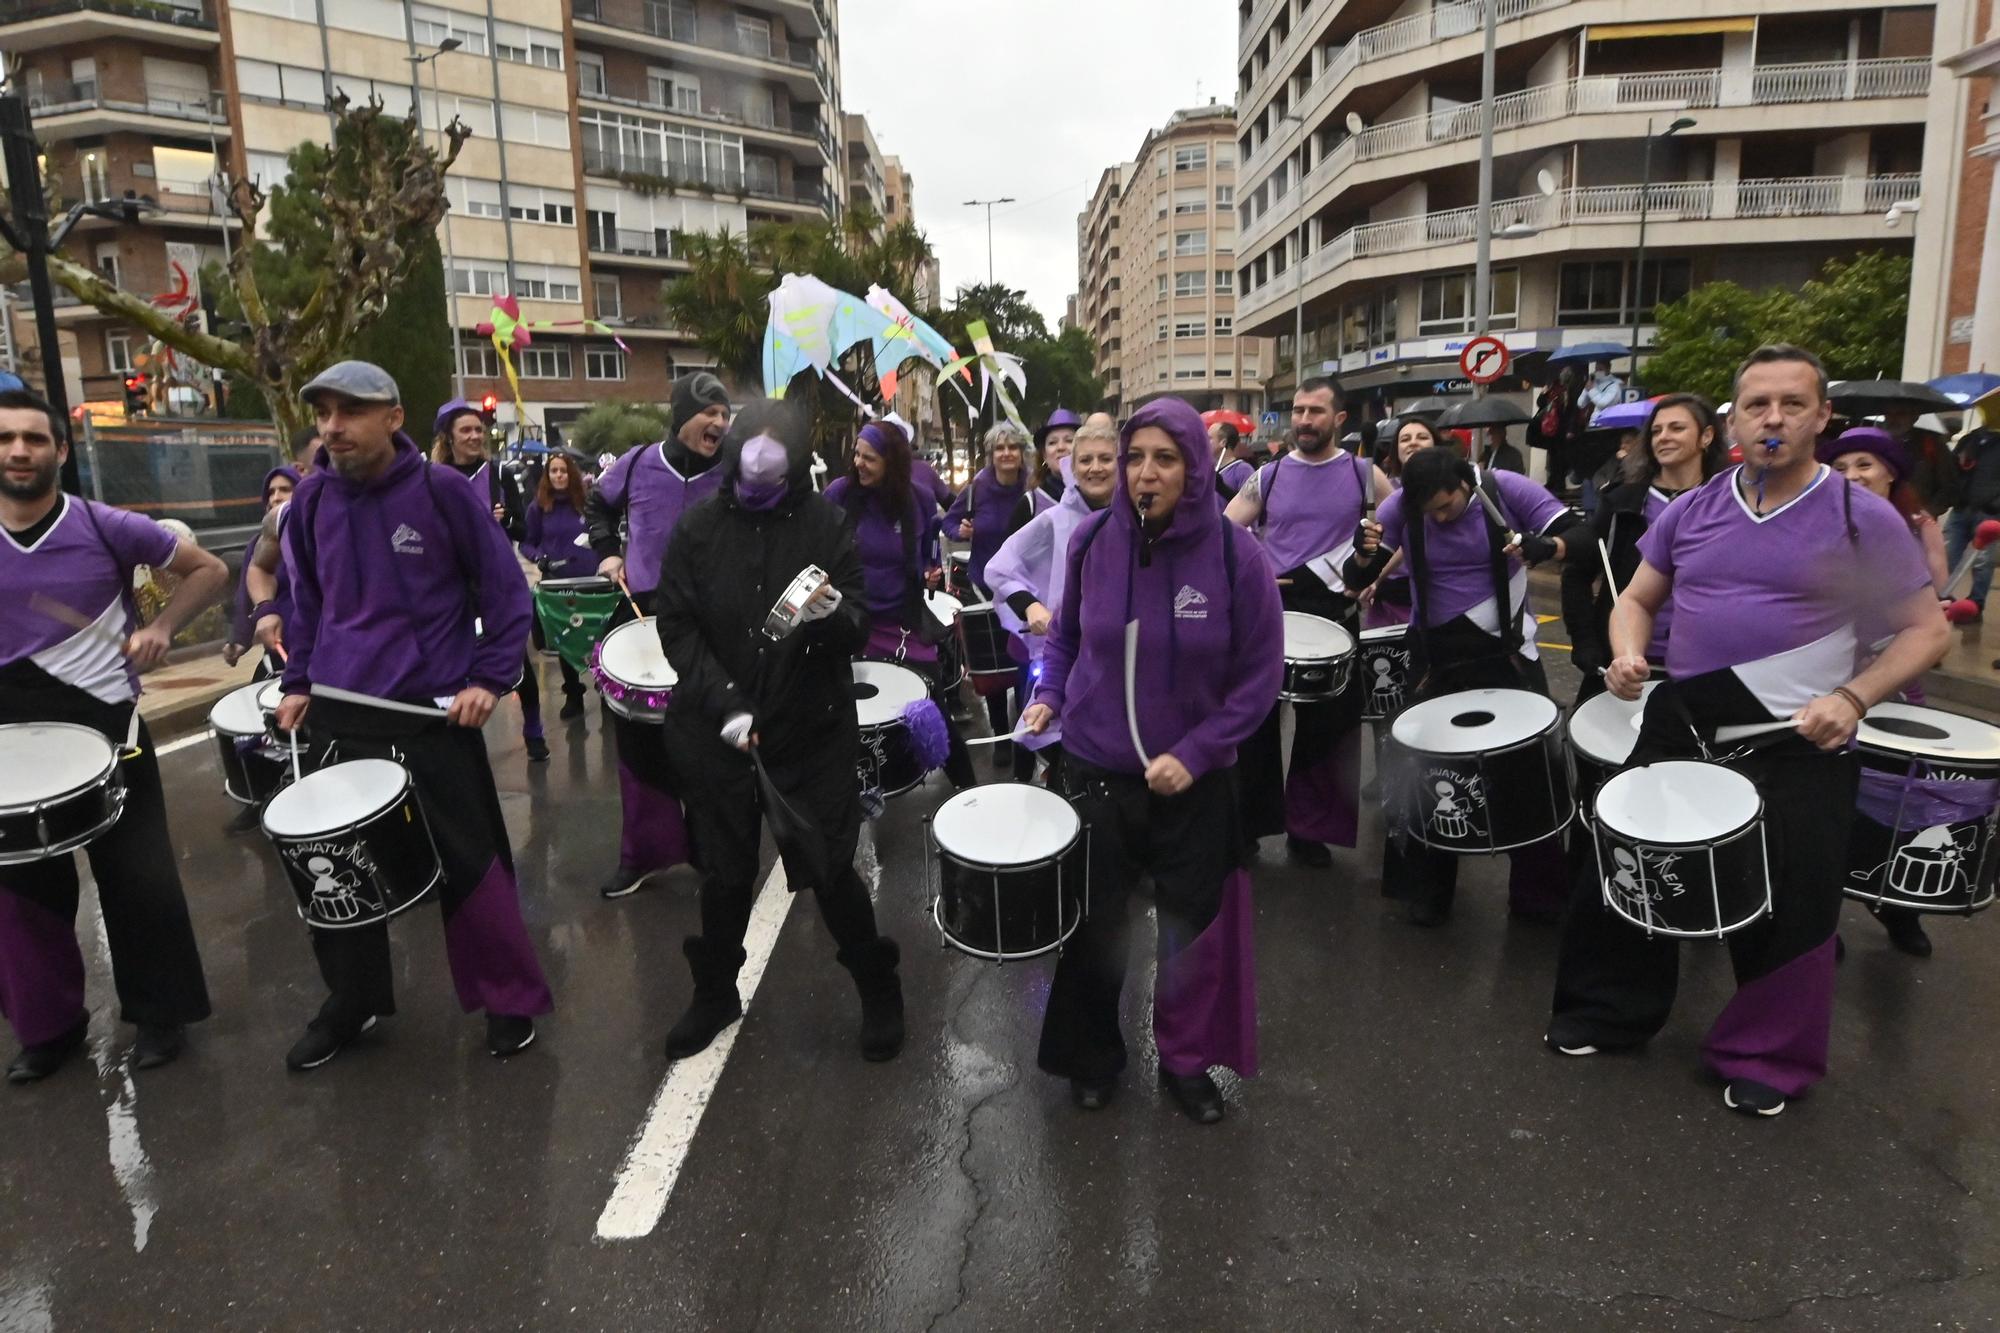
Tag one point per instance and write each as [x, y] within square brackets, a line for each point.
[600, 128]
[1955, 287]
[1156, 271]
[1359, 134]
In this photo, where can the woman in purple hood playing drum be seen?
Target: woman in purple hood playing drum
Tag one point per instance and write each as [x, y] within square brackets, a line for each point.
[1152, 771]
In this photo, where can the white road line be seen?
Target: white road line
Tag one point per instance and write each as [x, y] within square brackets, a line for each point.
[171, 747]
[653, 1163]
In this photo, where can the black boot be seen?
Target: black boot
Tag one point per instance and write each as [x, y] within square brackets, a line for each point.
[715, 1004]
[1906, 931]
[874, 967]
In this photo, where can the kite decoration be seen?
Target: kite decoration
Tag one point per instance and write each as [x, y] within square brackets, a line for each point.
[997, 369]
[911, 337]
[504, 325]
[811, 325]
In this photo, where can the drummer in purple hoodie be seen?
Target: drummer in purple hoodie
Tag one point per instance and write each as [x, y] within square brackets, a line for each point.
[1161, 802]
[406, 590]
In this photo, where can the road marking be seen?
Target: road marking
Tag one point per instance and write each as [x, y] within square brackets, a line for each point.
[171, 747]
[653, 1163]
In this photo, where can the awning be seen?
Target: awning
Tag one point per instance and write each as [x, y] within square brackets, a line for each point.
[1613, 32]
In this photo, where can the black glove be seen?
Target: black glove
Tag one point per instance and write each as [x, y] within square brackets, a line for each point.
[1588, 659]
[546, 565]
[1535, 548]
[1361, 538]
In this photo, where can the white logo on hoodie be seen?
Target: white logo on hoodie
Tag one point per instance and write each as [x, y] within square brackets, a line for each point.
[1189, 603]
[406, 540]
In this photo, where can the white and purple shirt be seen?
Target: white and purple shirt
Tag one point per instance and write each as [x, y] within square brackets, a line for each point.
[85, 561]
[1774, 598]
[1459, 580]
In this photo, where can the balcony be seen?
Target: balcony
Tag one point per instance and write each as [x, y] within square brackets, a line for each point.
[86, 108]
[674, 23]
[32, 25]
[1667, 203]
[799, 129]
[1643, 94]
[632, 243]
[647, 171]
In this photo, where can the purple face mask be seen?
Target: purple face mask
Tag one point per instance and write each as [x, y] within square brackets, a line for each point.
[762, 473]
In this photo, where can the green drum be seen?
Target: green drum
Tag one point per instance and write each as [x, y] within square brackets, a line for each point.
[573, 613]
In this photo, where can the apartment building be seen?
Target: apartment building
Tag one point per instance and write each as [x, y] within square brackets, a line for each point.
[1955, 287]
[867, 169]
[1359, 135]
[600, 128]
[1156, 271]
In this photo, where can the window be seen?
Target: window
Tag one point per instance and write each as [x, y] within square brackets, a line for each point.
[528, 124]
[753, 35]
[1160, 331]
[614, 142]
[603, 361]
[476, 112]
[1595, 293]
[1225, 195]
[380, 18]
[478, 360]
[1190, 201]
[1225, 243]
[1190, 242]
[1663, 283]
[534, 203]
[607, 296]
[590, 74]
[293, 85]
[543, 363]
[527, 46]
[1225, 155]
[1193, 157]
[473, 197]
[1160, 248]
[1188, 283]
[1190, 328]
[183, 170]
[430, 25]
[1160, 284]
[1225, 326]
[118, 353]
[1160, 169]
[1190, 370]
[269, 169]
[1445, 301]
[479, 277]
[107, 262]
[548, 282]
[305, 11]
[1225, 281]
[673, 89]
[83, 78]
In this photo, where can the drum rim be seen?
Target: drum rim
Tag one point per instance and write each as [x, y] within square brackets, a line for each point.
[255, 689]
[575, 584]
[600, 666]
[407, 788]
[1892, 708]
[1383, 634]
[1553, 725]
[96, 779]
[994, 956]
[1010, 866]
[1577, 743]
[1597, 820]
[1340, 654]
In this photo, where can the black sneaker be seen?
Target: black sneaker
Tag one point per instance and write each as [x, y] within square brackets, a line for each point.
[572, 708]
[1196, 1094]
[624, 882]
[508, 1035]
[249, 819]
[1093, 1094]
[158, 1044]
[1753, 1098]
[324, 1039]
[1906, 932]
[37, 1062]
[1311, 855]
[538, 749]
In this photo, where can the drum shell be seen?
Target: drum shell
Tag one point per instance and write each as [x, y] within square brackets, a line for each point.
[1512, 797]
[60, 824]
[1885, 869]
[888, 759]
[1316, 680]
[983, 640]
[387, 857]
[1705, 891]
[253, 770]
[1378, 702]
[1006, 913]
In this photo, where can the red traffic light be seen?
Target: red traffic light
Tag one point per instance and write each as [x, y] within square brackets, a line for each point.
[135, 383]
[489, 404]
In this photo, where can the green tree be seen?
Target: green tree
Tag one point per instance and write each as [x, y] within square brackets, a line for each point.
[1061, 373]
[1706, 334]
[411, 338]
[615, 426]
[1854, 314]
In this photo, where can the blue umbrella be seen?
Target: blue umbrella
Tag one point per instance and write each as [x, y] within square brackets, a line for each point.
[1589, 352]
[1623, 416]
[1962, 389]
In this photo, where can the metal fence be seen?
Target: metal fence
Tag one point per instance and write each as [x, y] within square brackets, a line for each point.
[207, 474]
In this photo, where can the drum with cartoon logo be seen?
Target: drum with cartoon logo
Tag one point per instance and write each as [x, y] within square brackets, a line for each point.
[354, 843]
[1479, 771]
[1924, 825]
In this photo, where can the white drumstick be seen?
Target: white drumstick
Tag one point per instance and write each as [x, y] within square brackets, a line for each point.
[1610, 579]
[1724, 735]
[296, 775]
[334, 692]
[1132, 690]
[995, 740]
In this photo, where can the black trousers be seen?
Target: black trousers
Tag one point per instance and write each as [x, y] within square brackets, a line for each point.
[155, 963]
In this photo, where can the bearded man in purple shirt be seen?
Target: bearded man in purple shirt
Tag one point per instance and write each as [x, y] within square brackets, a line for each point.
[1768, 567]
[405, 590]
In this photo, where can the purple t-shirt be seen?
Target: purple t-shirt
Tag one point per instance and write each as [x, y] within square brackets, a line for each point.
[1775, 598]
[1460, 578]
[654, 495]
[1310, 509]
[84, 561]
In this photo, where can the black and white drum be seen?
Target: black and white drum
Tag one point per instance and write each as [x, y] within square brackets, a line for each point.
[1680, 849]
[60, 787]
[1480, 771]
[888, 762]
[354, 843]
[271, 693]
[989, 664]
[1924, 835]
[1319, 659]
[1384, 670]
[252, 771]
[1602, 732]
[1011, 862]
[632, 672]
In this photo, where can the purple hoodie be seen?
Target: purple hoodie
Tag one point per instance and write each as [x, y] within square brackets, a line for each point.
[388, 578]
[891, 569]
[241, 629]
[989, 504]
[553, 534]
[1211, 655]
[654, 495]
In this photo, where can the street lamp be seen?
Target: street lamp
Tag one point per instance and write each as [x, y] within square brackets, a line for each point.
[450, 257]
[987, 204]
[1298, 257]
[1645, 193]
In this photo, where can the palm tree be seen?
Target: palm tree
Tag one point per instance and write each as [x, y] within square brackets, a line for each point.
[721, 300]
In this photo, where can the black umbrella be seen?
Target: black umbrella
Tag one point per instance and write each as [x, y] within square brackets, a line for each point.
[1485, 412]
[1865, 397]
[1429, 409]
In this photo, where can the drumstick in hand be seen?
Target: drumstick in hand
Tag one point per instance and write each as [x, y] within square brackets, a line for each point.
[630, 600]
[77, 620]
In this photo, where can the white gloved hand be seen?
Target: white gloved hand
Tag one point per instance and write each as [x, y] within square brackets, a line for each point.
[736, 730]
[823, 604]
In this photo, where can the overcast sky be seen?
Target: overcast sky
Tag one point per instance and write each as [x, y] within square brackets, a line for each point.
[1029, 98]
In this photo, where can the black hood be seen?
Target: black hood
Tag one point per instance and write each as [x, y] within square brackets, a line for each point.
[782, 422]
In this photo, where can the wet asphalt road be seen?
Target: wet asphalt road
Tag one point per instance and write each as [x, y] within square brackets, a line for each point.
[1411, 1157]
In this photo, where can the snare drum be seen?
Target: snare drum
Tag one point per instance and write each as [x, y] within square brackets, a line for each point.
[59, 788]
[940, 617]
[888, 762]
[1480, 771]
[354, 843]
[1385, 670]
[251, 771]
[572, 614]
[1319, 659]
[1680, 849]
[788, 612]
[1924, 835]
[1012, 871]
[988, 661]
[632, 672]
[1602, 732]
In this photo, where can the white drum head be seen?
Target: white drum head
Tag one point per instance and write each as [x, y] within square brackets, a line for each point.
[1606, 727]
[883, 691]
[270, 694]
[1006, 824]
[1475, 721]
[1680, 801]
[1385, 634]
[944, 606]
[1929, 733]
[237, 714]
[632, 655]
[1315, 639]
[42, 760]
[335, 797]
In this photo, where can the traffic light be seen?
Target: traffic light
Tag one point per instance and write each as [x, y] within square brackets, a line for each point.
[136, 396]
[489, 405]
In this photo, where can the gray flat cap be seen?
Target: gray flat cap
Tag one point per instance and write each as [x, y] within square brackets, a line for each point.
[363, 381]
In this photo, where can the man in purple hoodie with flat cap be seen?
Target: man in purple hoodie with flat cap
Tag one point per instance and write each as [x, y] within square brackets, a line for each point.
[405, 589]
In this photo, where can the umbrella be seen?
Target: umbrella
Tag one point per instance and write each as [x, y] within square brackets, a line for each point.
[1623, 416]
[1873, 395]
[1962, 389]
[1429, 409]
[1485, 412]
[1244, 425]
[1589, 352]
